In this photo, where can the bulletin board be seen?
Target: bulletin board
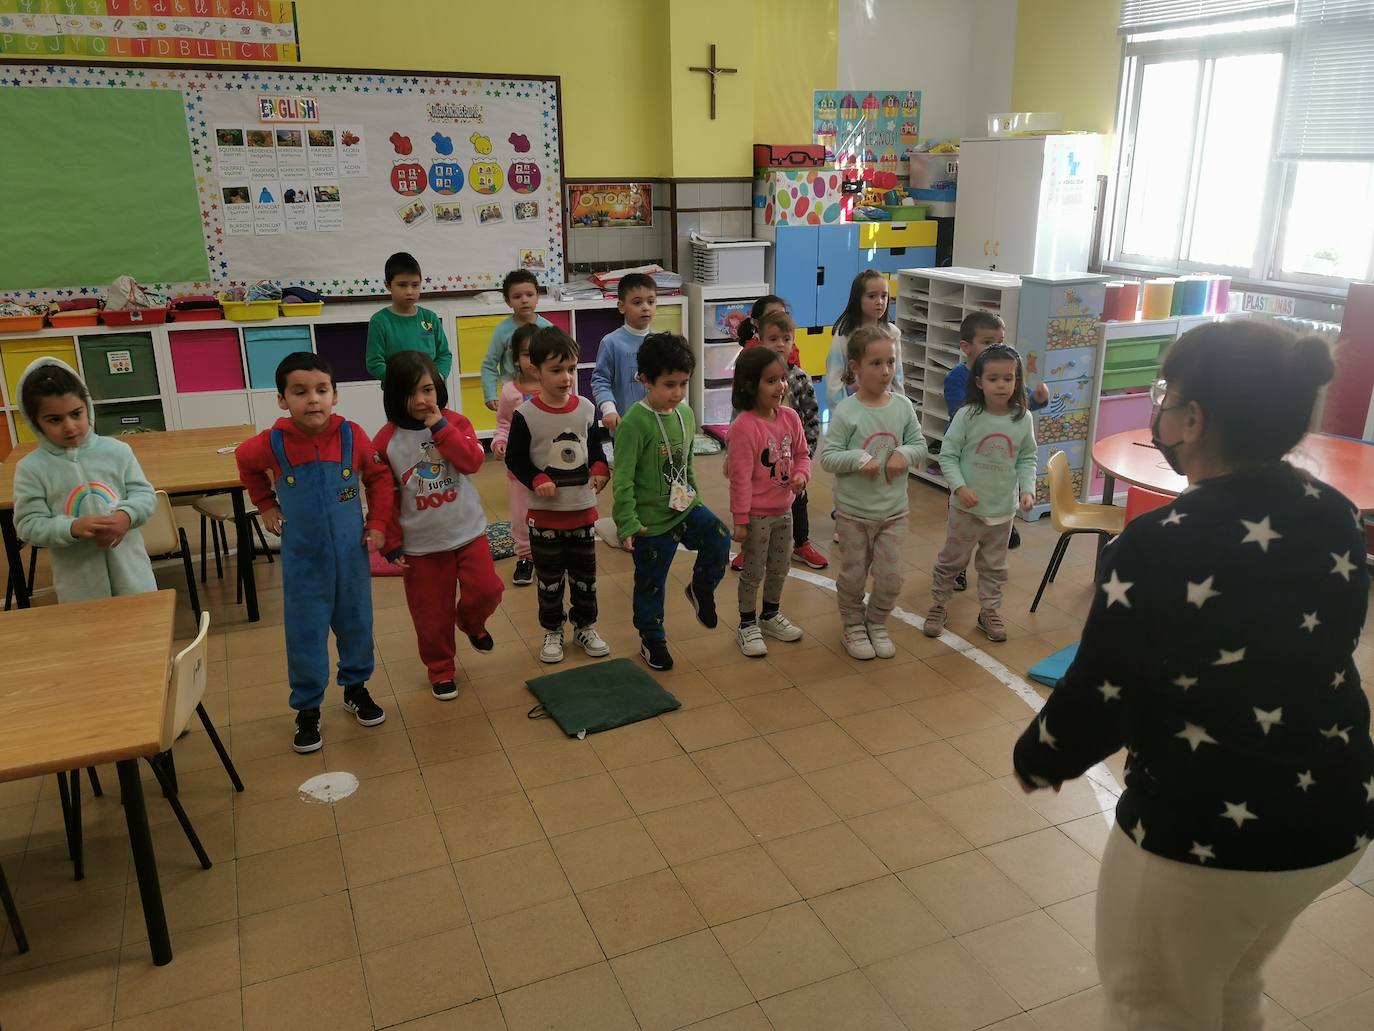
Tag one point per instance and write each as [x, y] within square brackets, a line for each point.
[305, 176]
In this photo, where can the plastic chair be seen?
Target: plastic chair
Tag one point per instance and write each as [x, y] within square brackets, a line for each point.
[215, 511]
[162, 536]
[1069, 516]
[1139, 501]
[16, 928]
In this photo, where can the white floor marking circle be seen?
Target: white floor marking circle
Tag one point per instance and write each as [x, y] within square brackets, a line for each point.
[326, 788]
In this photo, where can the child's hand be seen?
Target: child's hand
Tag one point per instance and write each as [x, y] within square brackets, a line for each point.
[599, 483]
[491, 405]
[741, 531]
[896, 465]
[799, 484]
[871, 469]
[966, 497]
[1041, 394]
[272, 521]
[498, 448]
[110, 529]
[400, 562]
[610, 420]
[1027, 502]
[84, 529]
[546, 489]
[433, 415]
[373, 540]
[628, 543]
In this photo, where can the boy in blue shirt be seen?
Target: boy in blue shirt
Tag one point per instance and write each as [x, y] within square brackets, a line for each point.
[615, 380]
[979, 331]
[521, 291]
[404, 326]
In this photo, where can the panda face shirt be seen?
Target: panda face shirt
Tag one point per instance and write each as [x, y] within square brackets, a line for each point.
[563, 446]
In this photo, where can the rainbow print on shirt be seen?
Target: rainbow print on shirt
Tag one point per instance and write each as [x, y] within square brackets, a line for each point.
[94, 498]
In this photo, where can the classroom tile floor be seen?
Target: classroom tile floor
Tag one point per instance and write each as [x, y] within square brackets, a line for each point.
[809, 843]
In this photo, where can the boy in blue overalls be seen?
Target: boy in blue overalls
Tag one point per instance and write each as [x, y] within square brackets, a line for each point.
[316, 459]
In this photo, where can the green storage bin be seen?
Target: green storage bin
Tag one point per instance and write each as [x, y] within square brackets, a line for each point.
[119, 365]
[1135, 351]
[126, 417]
[1130, 376]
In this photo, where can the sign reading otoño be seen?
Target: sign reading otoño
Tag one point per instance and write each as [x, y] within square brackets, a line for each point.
[288, 109]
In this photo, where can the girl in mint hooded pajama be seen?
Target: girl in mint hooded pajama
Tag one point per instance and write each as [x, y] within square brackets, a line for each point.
[54, 486]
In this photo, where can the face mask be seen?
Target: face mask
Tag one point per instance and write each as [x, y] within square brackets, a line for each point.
[1169, 451]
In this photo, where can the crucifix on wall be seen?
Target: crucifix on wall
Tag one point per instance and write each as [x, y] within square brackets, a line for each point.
[714, 72]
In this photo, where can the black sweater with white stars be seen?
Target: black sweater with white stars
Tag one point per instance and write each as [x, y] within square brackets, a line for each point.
[1218, 652]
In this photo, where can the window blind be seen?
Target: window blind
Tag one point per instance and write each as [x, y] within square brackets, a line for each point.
[1158, 15]
[1329, 111]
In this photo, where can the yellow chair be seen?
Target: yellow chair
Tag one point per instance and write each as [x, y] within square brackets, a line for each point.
[1070, 516]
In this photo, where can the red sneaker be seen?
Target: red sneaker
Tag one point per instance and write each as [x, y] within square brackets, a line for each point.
[737, 563]
[811, 555]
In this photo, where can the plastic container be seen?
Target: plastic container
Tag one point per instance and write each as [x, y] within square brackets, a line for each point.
[120, 365]
[301, 309]
[1219, 295]
[21, 323]
[74, 319]
[907, 212]
[1193, 299]
[716, 403]
[195, 315]
[206, 359]
[1158, 299]
[925, 170]
[719, 360]
[1119, 304]
[136, 317]
[248, 311]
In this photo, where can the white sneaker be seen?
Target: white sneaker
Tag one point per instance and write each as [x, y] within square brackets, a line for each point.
[779, 626]
[553, 646]
[591, 642]
[751, 641]
[882, 643]
[856, 642]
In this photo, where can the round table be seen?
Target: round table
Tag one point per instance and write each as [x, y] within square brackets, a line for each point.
[1347, 465]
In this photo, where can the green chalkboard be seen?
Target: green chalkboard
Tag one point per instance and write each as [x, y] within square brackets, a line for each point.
[95, 184]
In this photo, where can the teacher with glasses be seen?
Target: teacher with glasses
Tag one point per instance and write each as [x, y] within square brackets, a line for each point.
[1218, 653]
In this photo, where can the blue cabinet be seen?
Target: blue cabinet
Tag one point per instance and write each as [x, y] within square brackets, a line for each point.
[814, 266]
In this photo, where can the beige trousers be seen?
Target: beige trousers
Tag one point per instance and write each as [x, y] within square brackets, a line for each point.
[869, 545]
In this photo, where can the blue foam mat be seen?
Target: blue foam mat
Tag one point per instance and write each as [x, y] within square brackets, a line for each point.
[1051, 669]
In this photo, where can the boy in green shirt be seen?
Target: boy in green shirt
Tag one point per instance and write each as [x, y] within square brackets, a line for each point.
[657, 504]
[404, 325]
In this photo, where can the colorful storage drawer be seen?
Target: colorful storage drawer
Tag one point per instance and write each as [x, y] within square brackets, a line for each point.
[344, 346]
[1135, 351]
[562, 319]
[267, 347]
[471, 404]
[119, 365]
[814, 344]
[16, 355]
[118, 420]
[591, 327]
[893, 259]
[206, 359]
[810, 196]
[898, 234]
[718, 361]
[474, 337]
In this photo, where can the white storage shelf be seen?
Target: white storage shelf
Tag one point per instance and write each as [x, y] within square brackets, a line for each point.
[931, 305]
[712, 405]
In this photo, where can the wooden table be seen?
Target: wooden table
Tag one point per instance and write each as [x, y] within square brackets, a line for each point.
[68, 707]
[1348, 465]
[176, 461]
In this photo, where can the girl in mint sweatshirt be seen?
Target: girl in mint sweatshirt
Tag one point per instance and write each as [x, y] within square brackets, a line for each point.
[989, 459]
[81, 496]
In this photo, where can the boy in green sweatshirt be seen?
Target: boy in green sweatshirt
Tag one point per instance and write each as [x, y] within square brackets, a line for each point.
[657, 503]
[404, 325]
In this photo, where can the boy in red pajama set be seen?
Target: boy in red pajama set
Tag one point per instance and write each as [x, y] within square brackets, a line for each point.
[441, 539]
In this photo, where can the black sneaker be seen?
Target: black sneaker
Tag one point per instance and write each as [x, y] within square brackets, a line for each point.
[360, 704]
[655, 653]
[307, 731]
[961, 581]
[704, 605]
[443, 691]
[1015, 541]
[483, 643]
[524, 572]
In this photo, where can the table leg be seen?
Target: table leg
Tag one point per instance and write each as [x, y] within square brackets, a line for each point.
[145, 863]
[244, 531]
[1108, 489]
[13, 559]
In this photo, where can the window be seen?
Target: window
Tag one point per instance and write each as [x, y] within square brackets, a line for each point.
[1208, 109]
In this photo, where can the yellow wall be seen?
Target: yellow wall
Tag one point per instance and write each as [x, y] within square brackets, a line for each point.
[796, 51]
[703, 147]
[1068, 59]
[610, 54]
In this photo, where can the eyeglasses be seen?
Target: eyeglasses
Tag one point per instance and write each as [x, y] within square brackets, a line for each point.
[1159, 390]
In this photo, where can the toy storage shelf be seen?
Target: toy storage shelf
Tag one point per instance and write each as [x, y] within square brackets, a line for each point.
[930, 305]
[713, 315]
[217, 373]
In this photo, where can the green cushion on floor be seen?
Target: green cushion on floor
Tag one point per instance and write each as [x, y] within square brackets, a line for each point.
[602, 696]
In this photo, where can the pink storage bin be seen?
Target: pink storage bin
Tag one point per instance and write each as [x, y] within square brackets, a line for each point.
[1117, 413]
[206, 359]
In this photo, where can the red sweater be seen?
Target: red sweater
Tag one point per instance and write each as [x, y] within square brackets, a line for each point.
[256, 460]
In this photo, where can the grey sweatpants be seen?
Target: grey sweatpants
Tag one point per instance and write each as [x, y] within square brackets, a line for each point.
[869, 545]
[767, 553]
[964, 534]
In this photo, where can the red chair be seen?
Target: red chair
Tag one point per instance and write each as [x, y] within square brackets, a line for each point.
[1139, 501]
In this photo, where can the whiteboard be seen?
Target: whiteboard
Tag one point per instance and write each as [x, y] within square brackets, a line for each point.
[312, 177]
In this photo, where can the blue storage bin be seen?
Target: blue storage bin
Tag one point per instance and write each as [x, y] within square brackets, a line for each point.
[894, 259]
[266, 347]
